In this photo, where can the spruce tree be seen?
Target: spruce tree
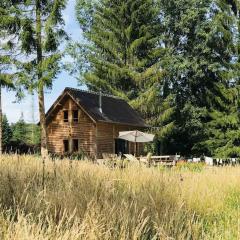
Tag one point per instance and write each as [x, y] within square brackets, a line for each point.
[6, 132]
[191, 84]
[199, 66]
[122, 51]
[223, 129]
[20, 130]
[9, 26]
[38, 40]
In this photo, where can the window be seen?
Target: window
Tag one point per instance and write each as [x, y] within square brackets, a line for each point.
[75, 145]
[75, 116]
[65, 116]
[66, 146]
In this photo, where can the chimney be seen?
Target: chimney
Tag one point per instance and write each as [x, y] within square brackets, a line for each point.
[100, 100]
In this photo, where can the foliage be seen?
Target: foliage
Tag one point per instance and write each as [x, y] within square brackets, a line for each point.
[38, 38]
[201, 74]
[121, 51]
[19, 130]
[10, 25]
[6, 131]
[175, 61]
[20, 137]
[50, 26]
[25, 137]
[25, 132]
[33, 134]
[193, 167]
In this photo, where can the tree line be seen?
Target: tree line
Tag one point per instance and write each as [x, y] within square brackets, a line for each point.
[31, 32]
[175, 61]
[20, 137]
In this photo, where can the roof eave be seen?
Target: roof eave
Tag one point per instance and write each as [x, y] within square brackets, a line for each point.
[82, 108]
[59, 99]
[124, 123]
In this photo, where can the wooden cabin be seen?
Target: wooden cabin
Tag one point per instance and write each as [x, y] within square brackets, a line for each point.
[90, 122]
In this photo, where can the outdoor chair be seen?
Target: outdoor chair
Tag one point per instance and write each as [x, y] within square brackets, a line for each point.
[131, 158]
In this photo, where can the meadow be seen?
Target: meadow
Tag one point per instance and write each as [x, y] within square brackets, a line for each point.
[81, 200]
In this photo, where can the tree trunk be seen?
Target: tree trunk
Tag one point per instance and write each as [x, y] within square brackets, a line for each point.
[44, 149]
[1, 130]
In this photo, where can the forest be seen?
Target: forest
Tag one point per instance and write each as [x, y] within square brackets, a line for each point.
[177, 62]
[20, 137]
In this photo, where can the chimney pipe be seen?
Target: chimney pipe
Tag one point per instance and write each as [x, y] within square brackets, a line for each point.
[100, 100]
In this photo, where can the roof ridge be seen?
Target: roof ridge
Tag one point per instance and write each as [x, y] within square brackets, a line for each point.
[92, 92]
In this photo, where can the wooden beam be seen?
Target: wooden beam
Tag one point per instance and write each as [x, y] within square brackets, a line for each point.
[70, 126]
[114, 138]
[96, 140]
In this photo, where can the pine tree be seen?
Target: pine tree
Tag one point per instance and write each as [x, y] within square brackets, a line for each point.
[9, 25]
[199, 67]
[32, 139]
[223, 129]
[20, 130]
[123, 50]
[41, 30]
[183, 90]
[6, 132]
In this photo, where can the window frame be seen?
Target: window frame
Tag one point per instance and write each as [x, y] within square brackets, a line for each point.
[74, 141]
[74, 119]
[66, 143]
[65, 120]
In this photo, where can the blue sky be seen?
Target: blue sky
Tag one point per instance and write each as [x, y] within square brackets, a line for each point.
[14, 110]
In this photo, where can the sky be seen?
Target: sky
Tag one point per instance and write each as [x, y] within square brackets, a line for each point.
[14, 110]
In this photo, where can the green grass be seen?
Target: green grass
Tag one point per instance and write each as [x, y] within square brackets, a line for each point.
[85, 201]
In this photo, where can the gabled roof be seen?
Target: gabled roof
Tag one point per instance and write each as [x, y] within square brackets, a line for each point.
[114, 110]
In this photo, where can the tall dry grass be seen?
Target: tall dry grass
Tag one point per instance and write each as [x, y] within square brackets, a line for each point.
[86, 201]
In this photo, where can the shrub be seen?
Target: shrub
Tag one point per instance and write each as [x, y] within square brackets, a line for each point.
[189, 166]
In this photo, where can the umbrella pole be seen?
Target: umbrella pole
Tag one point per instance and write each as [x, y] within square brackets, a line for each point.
[135, 149]
[135, 146]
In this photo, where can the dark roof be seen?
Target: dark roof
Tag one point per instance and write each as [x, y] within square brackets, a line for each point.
[114, 109]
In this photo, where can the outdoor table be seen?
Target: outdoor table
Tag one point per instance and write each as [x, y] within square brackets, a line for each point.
[165, 160]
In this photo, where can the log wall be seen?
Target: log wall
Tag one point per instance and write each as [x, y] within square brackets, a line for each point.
[84, 130]
[94, 139]
[106, 135]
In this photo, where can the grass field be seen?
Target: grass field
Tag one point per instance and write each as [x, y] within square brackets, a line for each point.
[85, 201]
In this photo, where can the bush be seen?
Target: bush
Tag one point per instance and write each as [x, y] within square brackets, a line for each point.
[72, 156]
[189, 166]
[22, 148]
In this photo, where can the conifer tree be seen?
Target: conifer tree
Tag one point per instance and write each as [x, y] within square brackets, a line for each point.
[123, 50]
[184, 90]
[223, 129]
[20, 130]
[38, 40]
[200, 67]
[6, 132]
[9, 26]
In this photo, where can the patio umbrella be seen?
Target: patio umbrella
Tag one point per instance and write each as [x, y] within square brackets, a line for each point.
[136, 137]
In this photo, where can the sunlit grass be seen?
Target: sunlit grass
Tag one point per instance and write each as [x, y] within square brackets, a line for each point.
[81, 200]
